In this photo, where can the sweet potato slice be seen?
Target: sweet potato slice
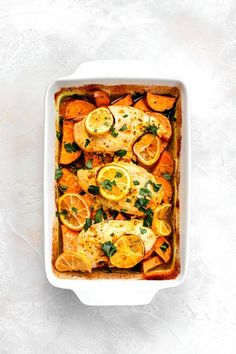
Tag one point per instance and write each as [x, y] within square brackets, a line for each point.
[78, 109]
[69, 150]
[160, 103]
[164, 131]
[63, 105]
[124, 101]
[151, 263]
[69, 238]
[163, 248]
[101, 98]
[142, 105]
[165, 165]
[167, 189]
[68, 182]
[120, 217]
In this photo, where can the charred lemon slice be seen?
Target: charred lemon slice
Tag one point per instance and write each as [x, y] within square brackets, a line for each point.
[147, 149]
[69, 261]
[99, 121]
[114, 182]
[129, 251]
[162, 211]
[161, 227]
[73, 210]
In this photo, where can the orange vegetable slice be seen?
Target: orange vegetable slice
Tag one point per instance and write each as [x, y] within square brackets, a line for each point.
[165, 165]
[69, 150]
[147, 149]
[124, 101]
[167, 189]
[101, 98]
[73, 210]
[68, 182]
[160, 103]
[163, 248]
[142, 105]
[130, 251]
[78, 109]
[151, 263]
[73, 261]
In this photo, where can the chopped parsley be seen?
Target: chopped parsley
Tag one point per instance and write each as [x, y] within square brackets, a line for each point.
[151, 128]
[125, 115]
[87, 224]
[121, 153]
[87, 142]
[148, 218]
[93, 190]
[167, 176]
[107, 184]
[71, 147]
[136, 182]
[123, 128]
[89, 164]
[155, 186]
[63, 188]
[113, 213]
[128, 200]
[143, 231]
[63, 212]
[100, 214]
[59, 135]
[75, 210]
[109, 248]
[113, 131]
[58, 173]
[164, 246]
[144, 192]
[118, 174]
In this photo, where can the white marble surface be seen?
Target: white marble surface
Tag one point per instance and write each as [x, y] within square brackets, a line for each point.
[42, 40]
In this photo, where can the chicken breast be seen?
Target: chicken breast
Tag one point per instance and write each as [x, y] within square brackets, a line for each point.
[129, 124]
[141, 181]
[89, 242]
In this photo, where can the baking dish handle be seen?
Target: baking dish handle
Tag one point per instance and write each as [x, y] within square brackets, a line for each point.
[105, 69]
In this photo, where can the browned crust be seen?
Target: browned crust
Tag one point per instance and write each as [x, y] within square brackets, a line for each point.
[171, 269]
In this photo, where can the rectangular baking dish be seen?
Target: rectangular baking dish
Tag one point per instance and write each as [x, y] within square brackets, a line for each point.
[113, 291]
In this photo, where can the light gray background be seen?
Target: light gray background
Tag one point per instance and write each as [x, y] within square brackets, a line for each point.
[43, 40]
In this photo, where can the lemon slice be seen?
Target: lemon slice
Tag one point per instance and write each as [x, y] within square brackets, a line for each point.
[129, 251]
[147, 149]
[162, 211]
[114, 181]
[69, 261]
[73, 210]
[99, 121]
[161, 227]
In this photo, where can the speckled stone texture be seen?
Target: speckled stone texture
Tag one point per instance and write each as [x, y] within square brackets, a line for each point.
[43, 40]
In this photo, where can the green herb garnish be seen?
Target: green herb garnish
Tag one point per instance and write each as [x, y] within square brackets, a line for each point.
[125, 115]
[144, 192]
[59, 135]
[113, 131]
[87, 142]
[136, 182]
[167, 176]
[89, 164]
[75, 210]
[123, 128]
[121, 153]
[113, 213]
[93, 190]
[118, 174]
[109, 248]
[107, 184]
[100, 214]
[87, 224]
[143, 231]
[71, 147]
[58, 173]
[164, 246]
[151, 128]
[63, 188]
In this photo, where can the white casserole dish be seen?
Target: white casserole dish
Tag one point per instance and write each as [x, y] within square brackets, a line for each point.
[113, 291]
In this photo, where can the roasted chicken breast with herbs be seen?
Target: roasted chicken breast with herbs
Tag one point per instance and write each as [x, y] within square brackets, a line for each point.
[144, 186]
[129, 124]
[90, 241]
